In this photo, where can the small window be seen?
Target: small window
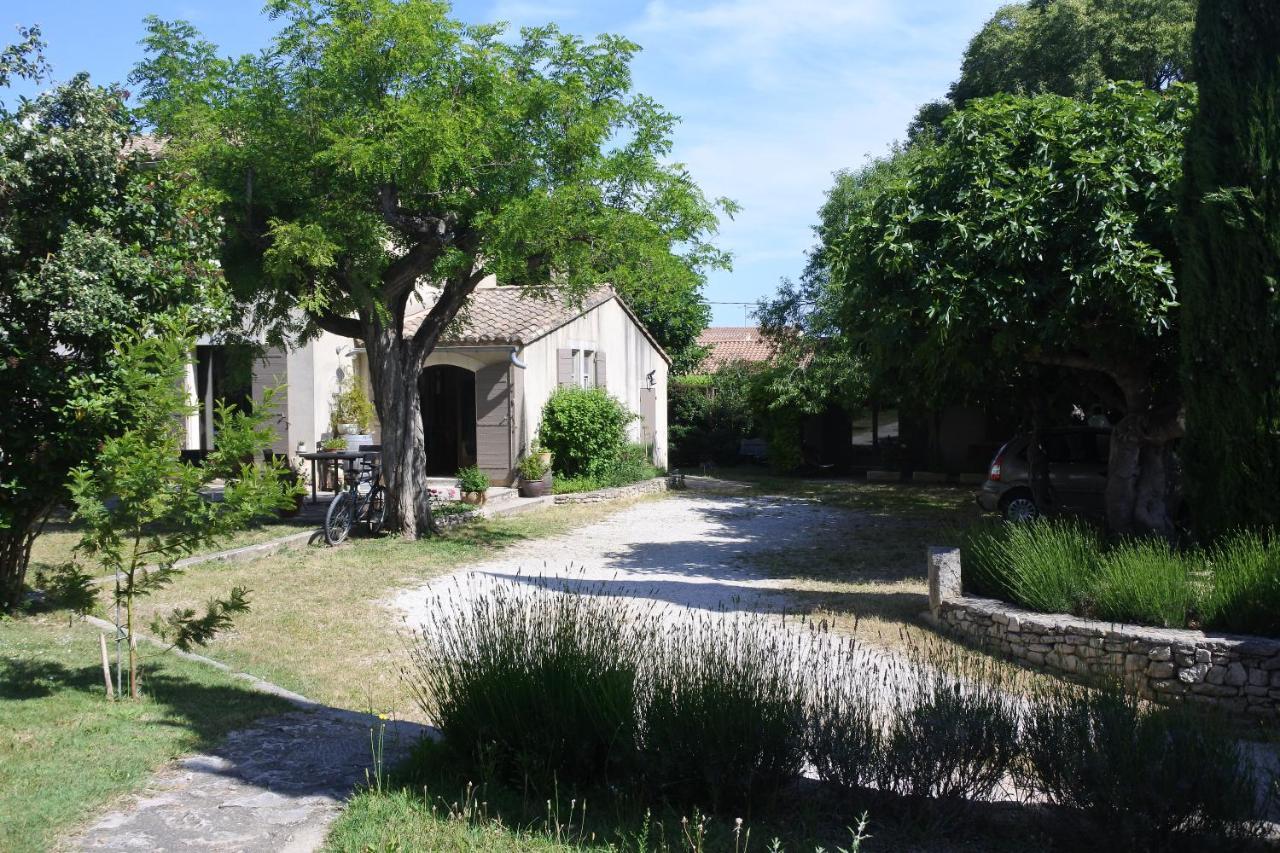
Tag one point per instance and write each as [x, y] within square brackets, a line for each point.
[584, 367]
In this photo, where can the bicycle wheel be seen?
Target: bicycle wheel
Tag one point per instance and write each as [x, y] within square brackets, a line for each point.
[377, 510]
[337, 521]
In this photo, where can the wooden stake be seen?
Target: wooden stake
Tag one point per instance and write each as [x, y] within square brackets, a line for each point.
[106, 667]
[135, 681]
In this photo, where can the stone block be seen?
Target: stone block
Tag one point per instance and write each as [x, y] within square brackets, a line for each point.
[1204, 656]
[1160, 653]
[1036, 658]
[1237, 676]
[1216, 675]
[944, 576]
[1259, 678]
[1160, 669]
[1176, 688]
[1135, 663]
[1193, 674]
[1214, 690]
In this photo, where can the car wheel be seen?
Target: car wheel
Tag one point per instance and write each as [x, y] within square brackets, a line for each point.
[1020, 508]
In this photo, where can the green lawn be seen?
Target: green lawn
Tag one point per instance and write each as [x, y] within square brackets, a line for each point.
[65, 750]
[319, 623]
[56, 545]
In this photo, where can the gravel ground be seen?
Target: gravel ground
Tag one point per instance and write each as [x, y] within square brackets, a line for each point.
[682, 552]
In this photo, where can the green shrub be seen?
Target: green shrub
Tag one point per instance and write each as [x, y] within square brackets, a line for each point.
[585, 430]
[1063, 567]
[1243, 592]
[1137, 774]
[935, 728]
[472, 479]
[1143, 581]
[843, 725]
[533, 686]
[631, 466]
[1046, 565]
[723, 712]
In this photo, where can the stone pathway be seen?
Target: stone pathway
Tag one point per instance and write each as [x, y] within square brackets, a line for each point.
[275, 786]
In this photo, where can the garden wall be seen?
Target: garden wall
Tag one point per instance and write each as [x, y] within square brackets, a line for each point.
[1239, 674]
[631, 490]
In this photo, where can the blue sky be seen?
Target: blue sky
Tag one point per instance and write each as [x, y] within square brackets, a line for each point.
[774, 95]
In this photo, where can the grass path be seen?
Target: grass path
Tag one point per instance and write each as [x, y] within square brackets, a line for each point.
[64, 749]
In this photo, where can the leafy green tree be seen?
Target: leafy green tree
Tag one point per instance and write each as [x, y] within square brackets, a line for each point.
[1069, 47]
[379, 145]
[144, 509]
[94, 241]
[1230, 277]
[1038, 232]
[814, 362]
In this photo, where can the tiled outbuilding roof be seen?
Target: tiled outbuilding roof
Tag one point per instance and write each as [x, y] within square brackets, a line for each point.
[520, 316]
[728, 344]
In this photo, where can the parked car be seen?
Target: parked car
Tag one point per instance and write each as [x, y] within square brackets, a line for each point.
[1077, 460]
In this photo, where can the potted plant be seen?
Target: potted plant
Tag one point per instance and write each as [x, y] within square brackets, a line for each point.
[329, 468]
[351, 413]
[473, 484]
[534, 482]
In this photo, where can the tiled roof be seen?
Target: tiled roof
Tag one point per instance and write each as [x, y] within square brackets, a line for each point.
[733, 343]
[511, 315]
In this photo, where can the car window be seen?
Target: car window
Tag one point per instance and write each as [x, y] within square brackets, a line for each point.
[1082, 447]
[1056, 447]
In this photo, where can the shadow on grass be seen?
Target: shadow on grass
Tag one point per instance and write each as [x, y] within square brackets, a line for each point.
[207, 711]
[436, 792]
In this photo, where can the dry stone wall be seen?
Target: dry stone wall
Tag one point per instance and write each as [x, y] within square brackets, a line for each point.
[1239, 674]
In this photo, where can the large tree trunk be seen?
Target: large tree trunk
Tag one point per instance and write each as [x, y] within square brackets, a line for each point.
[394, 370]
[1142, 472]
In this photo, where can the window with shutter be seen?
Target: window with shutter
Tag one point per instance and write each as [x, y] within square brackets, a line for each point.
[564, 368]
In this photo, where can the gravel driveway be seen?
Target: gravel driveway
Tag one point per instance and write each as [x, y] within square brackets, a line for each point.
[687, 550]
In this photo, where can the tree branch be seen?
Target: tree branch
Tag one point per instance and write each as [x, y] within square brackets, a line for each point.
[420, 226]
[451, 300]
[346, 327]
[399, 278]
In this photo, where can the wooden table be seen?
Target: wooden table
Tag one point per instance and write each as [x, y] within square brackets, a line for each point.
[334, 456]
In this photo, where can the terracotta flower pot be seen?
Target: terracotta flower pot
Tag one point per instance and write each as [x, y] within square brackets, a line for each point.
[534, 488]
[475, 498]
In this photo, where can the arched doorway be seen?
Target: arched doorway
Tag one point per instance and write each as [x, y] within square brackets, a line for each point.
[448, 396]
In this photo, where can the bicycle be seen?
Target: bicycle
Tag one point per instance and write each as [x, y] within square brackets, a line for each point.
[363, 499]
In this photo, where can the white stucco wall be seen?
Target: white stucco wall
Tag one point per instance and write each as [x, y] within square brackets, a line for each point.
[629, 358]
[315, 370]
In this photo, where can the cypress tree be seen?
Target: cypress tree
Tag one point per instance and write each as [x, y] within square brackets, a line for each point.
[1230, 283]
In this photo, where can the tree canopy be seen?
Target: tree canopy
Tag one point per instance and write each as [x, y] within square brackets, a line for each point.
[378, 144]
[1037, 232]
[95, 241]
[1071, 48]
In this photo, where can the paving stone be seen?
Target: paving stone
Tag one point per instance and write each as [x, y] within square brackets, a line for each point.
[275, 786]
